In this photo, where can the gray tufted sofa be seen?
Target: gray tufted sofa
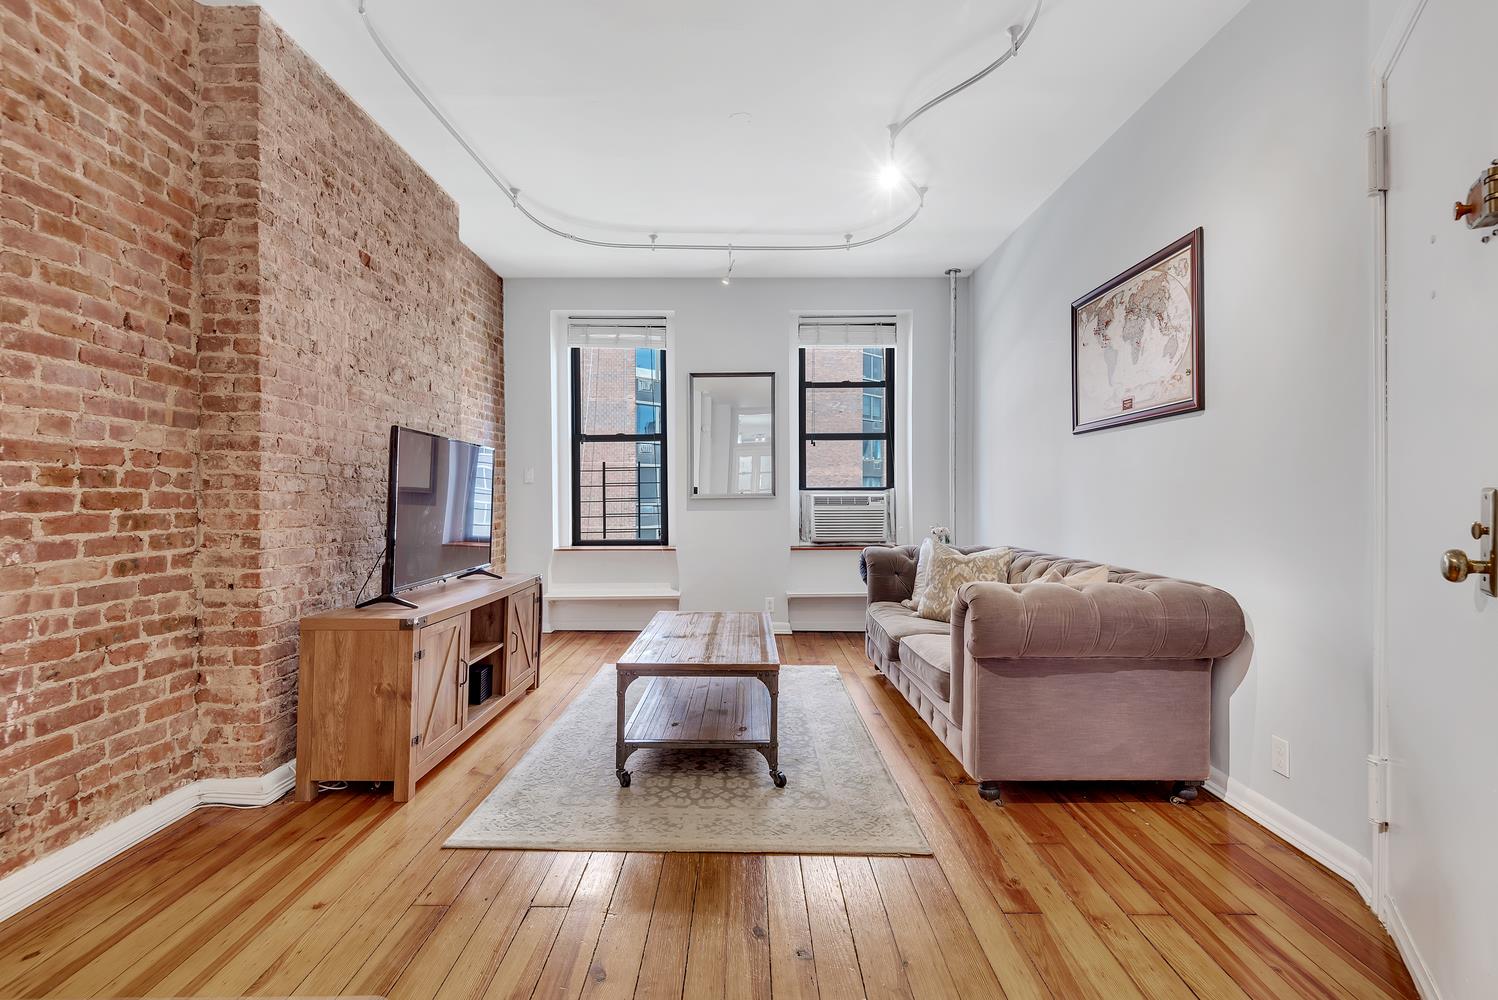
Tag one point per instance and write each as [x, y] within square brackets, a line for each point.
[1046, 682]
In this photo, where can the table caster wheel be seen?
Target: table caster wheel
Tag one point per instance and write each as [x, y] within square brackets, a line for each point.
[779, 778]
[623, 779]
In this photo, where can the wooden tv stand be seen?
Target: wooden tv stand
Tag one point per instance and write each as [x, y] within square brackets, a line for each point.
[383, 691]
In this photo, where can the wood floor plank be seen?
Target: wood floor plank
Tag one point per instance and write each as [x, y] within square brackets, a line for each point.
[31, 937]
[621, 944]
[496, 929]
[561, 882]
[1185, 906]
[925, 967]
[833, 950]
[991, 833]
[746, 935]
[395, 951]
[567, 966]
[390, 873]
[58, 941]
[1005, 952]
[90, 963]
[450, 879]
[970, 971]
[251, 908]
[1359, 962]
[520, 969]
[1207, 979]
[1043, 944]
[1090, 890]
[793, 969]
[1134, 952]
[1305, 977]
[883, 973]
[706, 951]
[424, 975]
[663, 964]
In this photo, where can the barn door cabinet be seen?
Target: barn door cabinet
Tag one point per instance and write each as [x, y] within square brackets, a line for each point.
[385, 693]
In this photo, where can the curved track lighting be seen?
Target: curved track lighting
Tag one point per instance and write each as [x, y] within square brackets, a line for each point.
[893, 174]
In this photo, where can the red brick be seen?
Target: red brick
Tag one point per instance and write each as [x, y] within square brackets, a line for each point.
[190, 408]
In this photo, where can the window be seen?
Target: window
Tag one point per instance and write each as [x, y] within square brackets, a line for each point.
[847, 400]
[618, 379]
[480, 527]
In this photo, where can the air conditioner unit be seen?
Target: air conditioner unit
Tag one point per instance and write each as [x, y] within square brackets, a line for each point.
[846, 518]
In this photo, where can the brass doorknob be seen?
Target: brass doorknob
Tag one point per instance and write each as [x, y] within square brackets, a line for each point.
[1479, 530]
[1456, 566]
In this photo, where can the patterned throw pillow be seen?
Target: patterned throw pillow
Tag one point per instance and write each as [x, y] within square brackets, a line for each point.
[1079, 579]
[922, 573]
[950, 569]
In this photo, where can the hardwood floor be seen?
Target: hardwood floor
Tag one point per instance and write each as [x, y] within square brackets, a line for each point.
[1092, 891]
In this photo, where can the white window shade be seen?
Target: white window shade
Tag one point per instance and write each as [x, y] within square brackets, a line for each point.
[847, 331]
[610, 331]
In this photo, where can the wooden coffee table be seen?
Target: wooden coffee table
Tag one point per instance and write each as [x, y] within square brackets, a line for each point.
[714, 684]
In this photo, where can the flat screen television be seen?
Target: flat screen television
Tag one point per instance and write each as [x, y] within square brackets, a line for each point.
[440, 520]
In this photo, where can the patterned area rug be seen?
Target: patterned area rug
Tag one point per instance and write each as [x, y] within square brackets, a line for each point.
[839, 799]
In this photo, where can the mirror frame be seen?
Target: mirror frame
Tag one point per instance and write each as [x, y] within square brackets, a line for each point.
[774, 438]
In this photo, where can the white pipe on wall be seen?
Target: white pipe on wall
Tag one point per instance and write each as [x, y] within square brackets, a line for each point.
[952, 273]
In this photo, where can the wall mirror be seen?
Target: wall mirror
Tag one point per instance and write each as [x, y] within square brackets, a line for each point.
[733, 434]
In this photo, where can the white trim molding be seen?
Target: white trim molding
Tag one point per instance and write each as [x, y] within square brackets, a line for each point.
[51, 872]
[1341, 858]
[1425, 983]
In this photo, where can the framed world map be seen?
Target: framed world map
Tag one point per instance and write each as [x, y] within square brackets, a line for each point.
[1136, 342]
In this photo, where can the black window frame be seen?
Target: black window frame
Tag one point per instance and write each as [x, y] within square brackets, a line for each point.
[888, 437]
[579, 439]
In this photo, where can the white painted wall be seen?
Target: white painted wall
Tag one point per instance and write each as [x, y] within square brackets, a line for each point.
[733, 553]
[1259, 139]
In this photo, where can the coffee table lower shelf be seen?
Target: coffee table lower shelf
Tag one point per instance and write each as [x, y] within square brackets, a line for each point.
[734, 710]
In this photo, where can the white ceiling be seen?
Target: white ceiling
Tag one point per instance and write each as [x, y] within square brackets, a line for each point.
[618, 119]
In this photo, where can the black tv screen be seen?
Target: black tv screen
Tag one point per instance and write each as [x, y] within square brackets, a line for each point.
[441, 508]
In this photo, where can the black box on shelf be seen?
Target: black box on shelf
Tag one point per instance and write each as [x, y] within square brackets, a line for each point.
[480, 683]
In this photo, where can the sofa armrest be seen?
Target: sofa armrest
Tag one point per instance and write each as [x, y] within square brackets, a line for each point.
[888, 571]
[1164, 619]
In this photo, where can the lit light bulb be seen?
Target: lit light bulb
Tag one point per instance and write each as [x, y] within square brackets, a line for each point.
[890, 176]
[726, 280]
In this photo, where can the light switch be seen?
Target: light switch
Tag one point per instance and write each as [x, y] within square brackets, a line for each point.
[530, 475]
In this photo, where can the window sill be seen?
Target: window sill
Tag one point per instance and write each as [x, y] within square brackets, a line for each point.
[830, 548]
[614, 548]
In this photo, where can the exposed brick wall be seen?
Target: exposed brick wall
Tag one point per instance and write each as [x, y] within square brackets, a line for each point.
[361, 310]
[219, 285]
[98, 414]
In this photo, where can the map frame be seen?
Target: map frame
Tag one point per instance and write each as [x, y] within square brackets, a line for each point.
[1118, 287]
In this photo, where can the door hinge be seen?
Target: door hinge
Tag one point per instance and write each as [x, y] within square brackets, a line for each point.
[1378, 790]
[416, 740]
[420, 653]
[1378, 161]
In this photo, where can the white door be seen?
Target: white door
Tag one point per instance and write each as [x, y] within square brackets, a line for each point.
[1442, 693]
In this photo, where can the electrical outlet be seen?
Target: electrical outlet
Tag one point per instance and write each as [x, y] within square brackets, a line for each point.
[770, 605]
[1279, 755]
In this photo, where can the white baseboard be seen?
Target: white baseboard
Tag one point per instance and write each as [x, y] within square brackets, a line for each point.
[1413, 960]
[51, 872]
[825, 625]
[1346, 861]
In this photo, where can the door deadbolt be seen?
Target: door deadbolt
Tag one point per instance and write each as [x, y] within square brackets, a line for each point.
[1456, 565]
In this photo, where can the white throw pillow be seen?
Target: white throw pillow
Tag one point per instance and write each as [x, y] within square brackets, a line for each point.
[950, 569]
[922, 572]
[1079, 579]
